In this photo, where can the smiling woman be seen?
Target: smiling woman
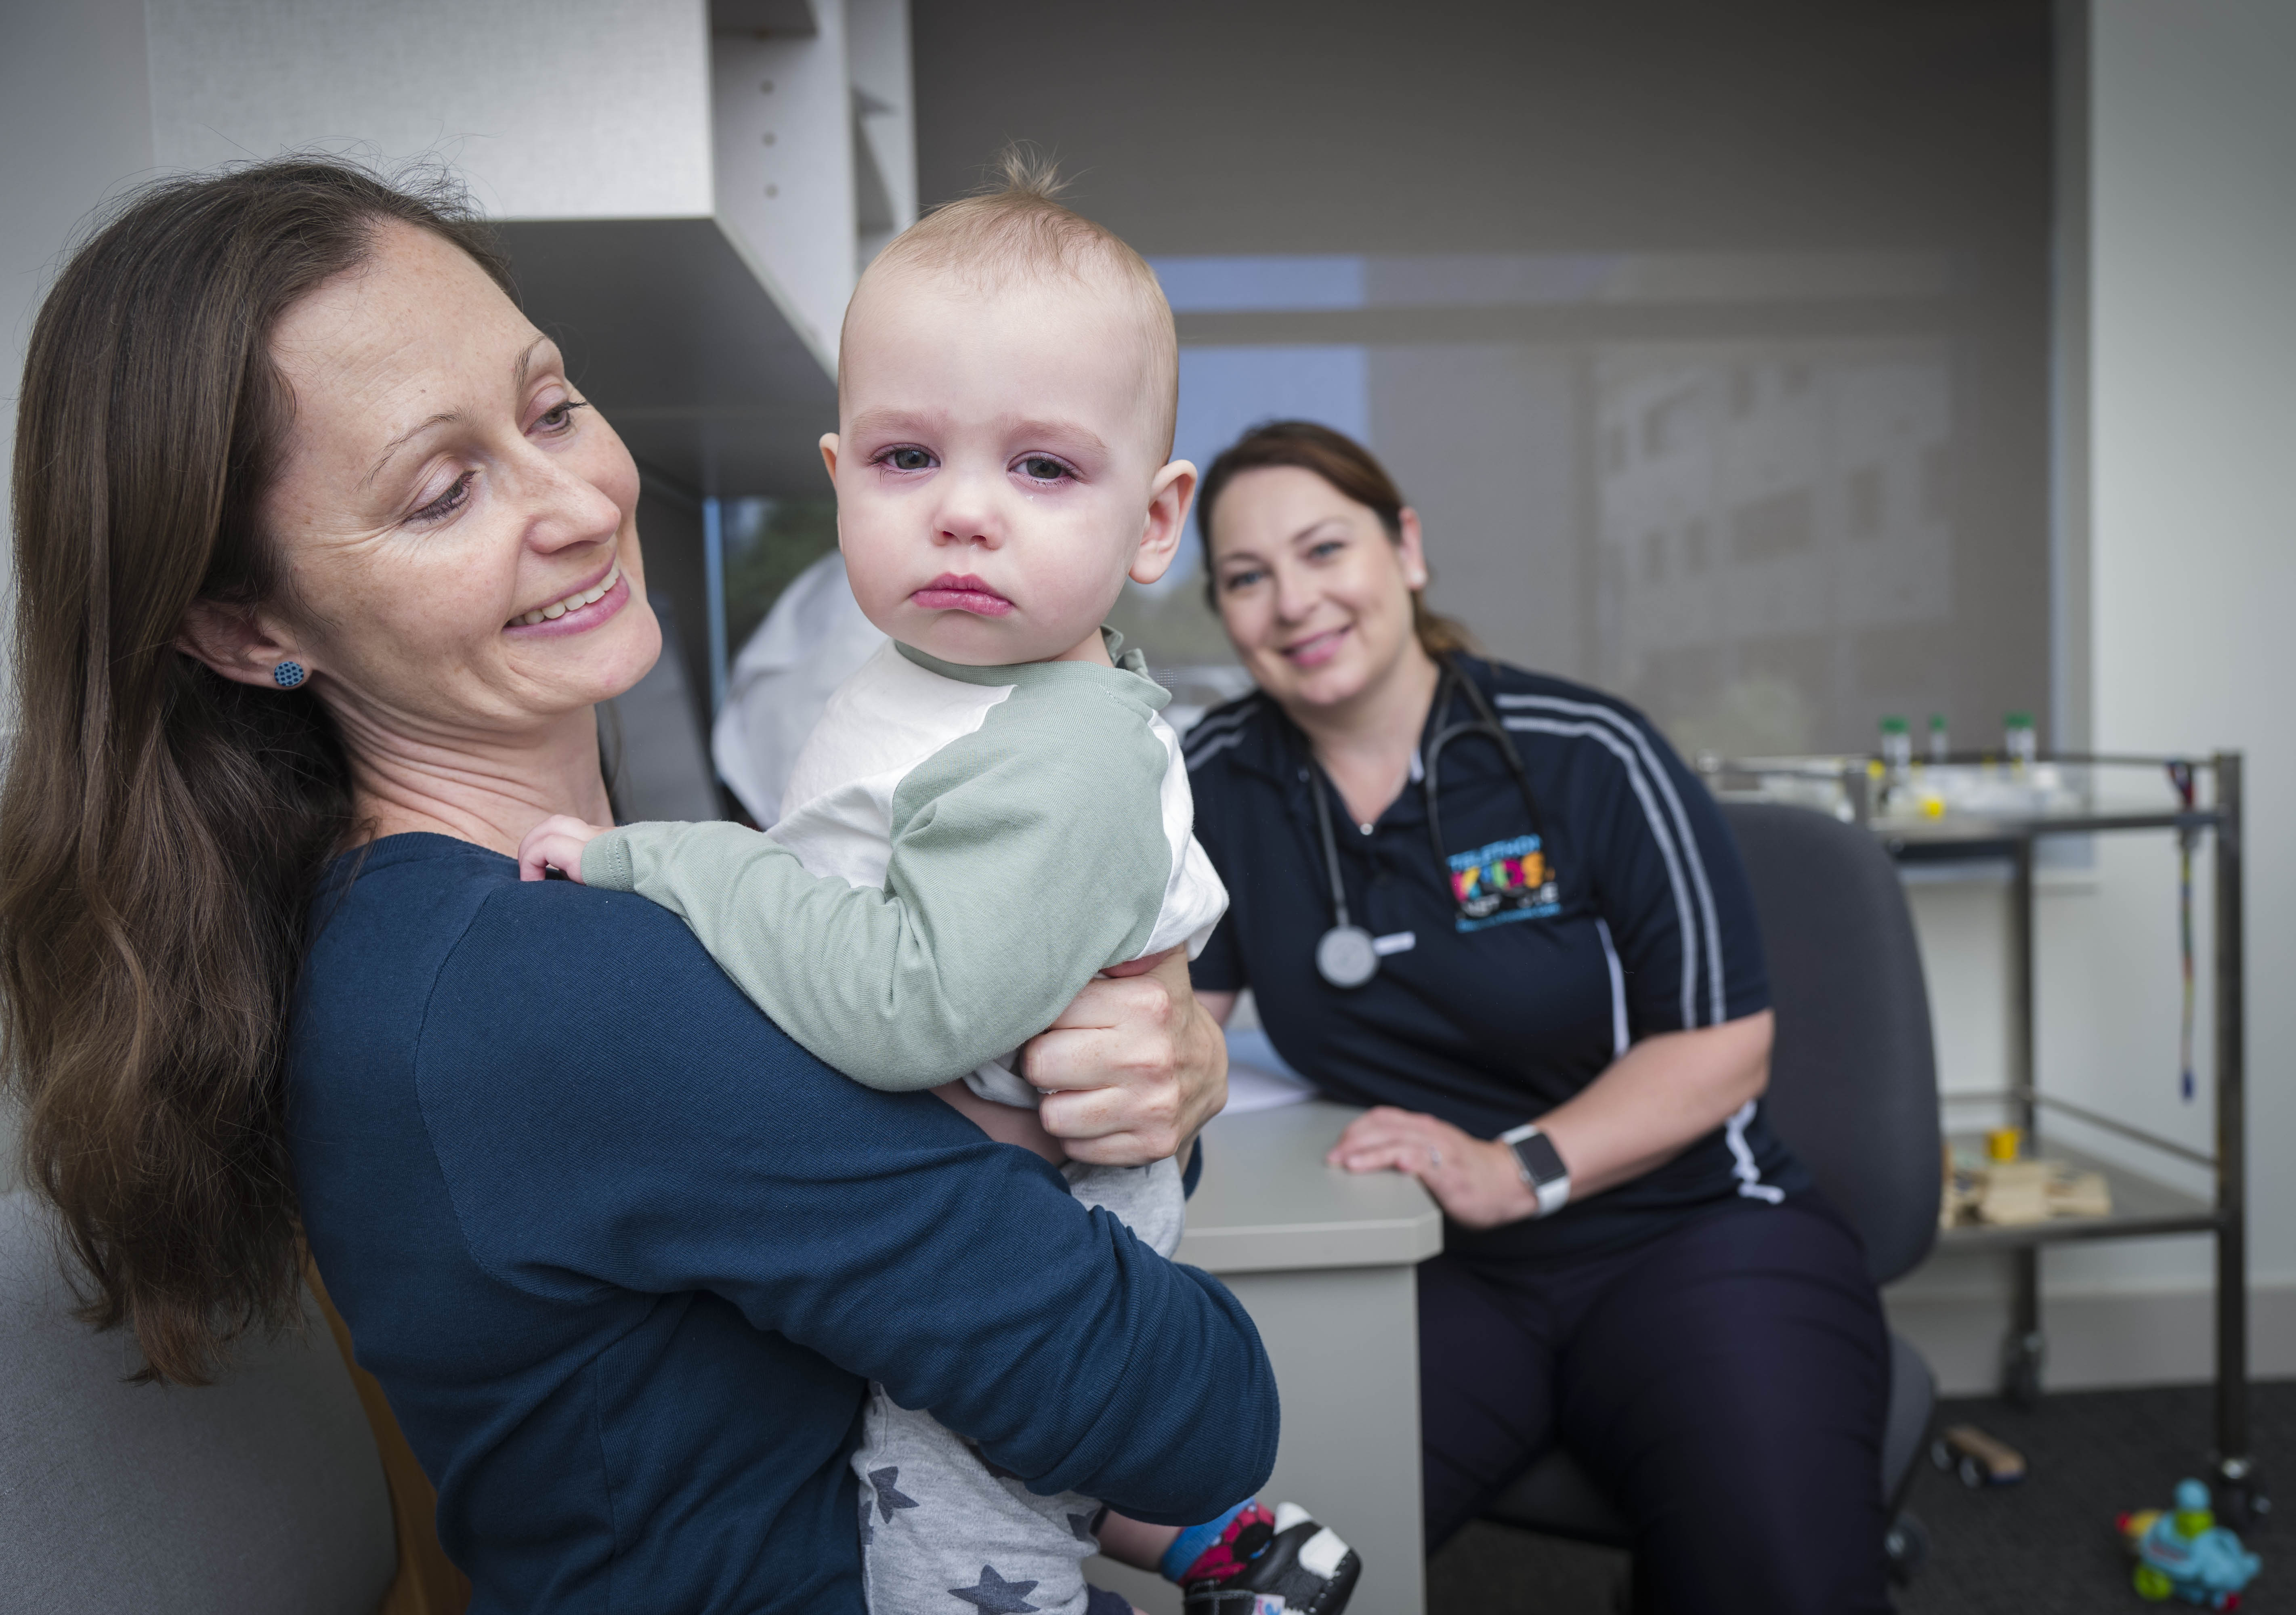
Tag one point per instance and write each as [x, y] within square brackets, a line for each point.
[162, 825]
[1553, 1002]
[497, 536]
[321, 566]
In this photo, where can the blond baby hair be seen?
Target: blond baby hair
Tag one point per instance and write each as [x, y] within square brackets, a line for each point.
[1015, 227]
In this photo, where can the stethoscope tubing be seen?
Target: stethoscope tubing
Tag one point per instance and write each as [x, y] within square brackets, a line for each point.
[1345, 954]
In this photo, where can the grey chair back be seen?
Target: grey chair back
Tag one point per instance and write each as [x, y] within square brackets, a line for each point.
[1853, 1077]
[260, 1495]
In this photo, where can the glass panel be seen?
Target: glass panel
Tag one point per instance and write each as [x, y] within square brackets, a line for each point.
[1712, 342]
[1721, 485]
[768, 542]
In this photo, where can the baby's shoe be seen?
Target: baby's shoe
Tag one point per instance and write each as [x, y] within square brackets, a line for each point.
[1287, 1566]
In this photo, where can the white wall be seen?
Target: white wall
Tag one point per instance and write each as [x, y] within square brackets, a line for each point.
[784, 150]
[604, 113]
[75, 124]
[2188, 248]
[2192, 546]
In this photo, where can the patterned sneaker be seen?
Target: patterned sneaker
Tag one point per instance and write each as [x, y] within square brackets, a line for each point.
[1304, 1569]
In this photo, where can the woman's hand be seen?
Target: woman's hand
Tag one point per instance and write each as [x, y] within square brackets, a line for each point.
[1662, 1094]
[1132, 1070]
[1476, 1182]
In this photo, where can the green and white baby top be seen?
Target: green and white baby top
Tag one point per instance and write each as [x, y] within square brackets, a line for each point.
[1004, 834]
[999, 835]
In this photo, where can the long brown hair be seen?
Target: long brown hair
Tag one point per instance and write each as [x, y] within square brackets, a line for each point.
[163, 828]
[1347, 466]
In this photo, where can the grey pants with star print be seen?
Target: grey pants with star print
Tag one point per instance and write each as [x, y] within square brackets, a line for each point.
[942, 1530]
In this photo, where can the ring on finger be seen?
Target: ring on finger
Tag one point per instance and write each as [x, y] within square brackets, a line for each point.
[1434, 1158]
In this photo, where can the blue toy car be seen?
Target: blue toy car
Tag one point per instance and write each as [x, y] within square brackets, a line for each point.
[2185, 1555]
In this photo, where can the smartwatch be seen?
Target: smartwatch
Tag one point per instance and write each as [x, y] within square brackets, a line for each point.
[1541, 1166]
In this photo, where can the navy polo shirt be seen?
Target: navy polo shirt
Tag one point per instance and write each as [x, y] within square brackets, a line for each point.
[1490, 1019]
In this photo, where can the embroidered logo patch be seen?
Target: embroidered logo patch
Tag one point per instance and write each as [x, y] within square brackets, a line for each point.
[1504, 881]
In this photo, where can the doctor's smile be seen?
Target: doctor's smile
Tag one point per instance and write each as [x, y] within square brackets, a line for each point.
[1318, 649]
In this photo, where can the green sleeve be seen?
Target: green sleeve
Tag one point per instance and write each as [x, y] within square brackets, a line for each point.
[1026, 855]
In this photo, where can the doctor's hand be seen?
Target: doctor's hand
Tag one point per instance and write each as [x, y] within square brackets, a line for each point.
[1133, 1068]
[1474, 1180]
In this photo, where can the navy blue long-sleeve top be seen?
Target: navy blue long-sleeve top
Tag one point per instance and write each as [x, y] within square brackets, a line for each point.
[624, 1257]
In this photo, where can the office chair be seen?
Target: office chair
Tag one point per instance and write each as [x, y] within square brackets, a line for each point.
[260, 1495]
[1853, 1090]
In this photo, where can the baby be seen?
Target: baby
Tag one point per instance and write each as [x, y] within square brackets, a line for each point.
[1009, 811]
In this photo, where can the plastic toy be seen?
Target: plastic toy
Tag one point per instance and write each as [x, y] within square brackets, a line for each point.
[1977, 1458]
[2185, 1555]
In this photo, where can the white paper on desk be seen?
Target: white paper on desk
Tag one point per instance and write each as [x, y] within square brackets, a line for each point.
[1258, 1079]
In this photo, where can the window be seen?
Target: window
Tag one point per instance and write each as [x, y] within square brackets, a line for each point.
[1583, 311]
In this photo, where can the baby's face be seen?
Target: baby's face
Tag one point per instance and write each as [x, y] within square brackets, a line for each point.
[999, 465]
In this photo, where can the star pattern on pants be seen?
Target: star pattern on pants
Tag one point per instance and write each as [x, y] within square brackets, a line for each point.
[888, 1497]
[992, 1592]
[1080, 1527]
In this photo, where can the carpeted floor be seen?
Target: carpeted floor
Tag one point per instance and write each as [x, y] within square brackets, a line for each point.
[2043, 1548]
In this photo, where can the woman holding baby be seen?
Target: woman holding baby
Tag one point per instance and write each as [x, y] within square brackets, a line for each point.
[1496, 909]
[323, 562]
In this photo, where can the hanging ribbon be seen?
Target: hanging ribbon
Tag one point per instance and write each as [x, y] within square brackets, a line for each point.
[2180, 776]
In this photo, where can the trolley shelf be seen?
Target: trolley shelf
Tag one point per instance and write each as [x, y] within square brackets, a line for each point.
[1967, 817]
[2142, 1206]
[1967, 835]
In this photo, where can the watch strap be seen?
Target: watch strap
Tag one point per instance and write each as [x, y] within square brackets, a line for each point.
[1541, 1166]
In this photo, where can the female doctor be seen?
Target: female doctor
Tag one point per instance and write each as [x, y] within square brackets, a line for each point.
[1495, 908]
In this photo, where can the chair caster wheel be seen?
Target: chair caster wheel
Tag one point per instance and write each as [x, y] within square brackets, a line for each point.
[1907, 1546]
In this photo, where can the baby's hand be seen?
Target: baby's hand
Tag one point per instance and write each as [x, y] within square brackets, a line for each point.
[555, 843]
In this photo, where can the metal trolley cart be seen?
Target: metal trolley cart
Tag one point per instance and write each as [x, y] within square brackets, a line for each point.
[1969, 808]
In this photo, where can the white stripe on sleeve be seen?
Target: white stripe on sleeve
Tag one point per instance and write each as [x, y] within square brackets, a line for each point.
[1750, 1176]
[1620, 1039]
[1207, 750]
[1692, 854]
[1684, 923]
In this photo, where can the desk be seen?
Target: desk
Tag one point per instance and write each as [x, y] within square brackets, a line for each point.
[1325, 1262]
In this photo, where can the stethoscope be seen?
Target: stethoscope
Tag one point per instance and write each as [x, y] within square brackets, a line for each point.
[1346, 956]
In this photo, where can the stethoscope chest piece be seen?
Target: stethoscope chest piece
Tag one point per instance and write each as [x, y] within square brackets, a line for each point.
[1345, 956]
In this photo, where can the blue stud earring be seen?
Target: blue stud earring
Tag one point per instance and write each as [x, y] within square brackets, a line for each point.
[287, 674]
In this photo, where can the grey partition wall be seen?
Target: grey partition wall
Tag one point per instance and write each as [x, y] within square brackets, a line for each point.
[260, 1495]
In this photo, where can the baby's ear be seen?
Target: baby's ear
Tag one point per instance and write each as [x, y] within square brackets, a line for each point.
[829, 455]
[1169, 495]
